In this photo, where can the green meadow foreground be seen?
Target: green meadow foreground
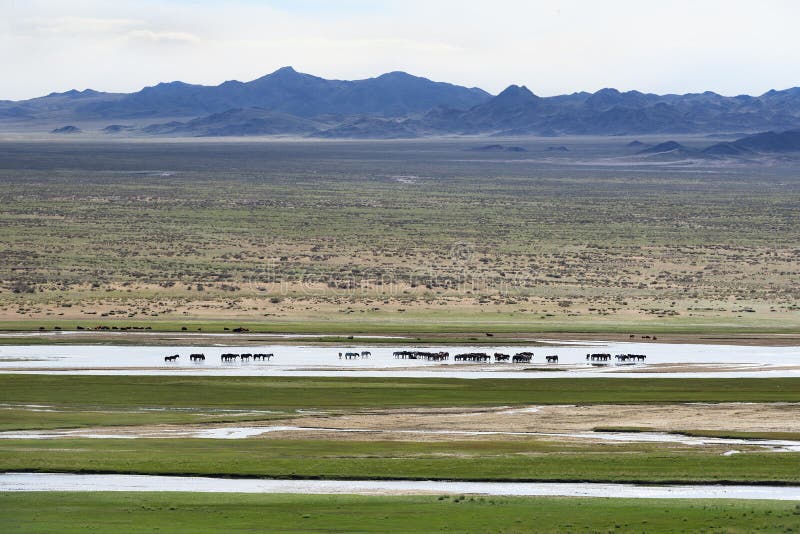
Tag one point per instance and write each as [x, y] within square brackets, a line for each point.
[290, 393]
[398, 412]
[191, 513]
[491, 460]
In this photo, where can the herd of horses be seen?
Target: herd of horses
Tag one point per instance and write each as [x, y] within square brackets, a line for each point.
[226, 357]
[603, 358]
[520, 357]
[363, 355]
[232, 357]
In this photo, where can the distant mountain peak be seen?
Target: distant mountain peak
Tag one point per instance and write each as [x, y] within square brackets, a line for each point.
[665, 147]
[416, 106]
[284, 75]
[75, 93]
[284, 72]
[517, 92]
[398, 75]
[68, 129]
[173, 84]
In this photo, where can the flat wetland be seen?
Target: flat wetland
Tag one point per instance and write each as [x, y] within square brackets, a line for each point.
[401, 413]
[199, 243]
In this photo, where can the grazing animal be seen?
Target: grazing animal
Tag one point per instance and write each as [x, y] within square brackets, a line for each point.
[552, 359]
[228, 357]
[522, 357]
[500, 357]
[197, 357]
[630, 357]
[421, 355]
[245, 356]
[172, 358]
[365, 354]
[472, 357]
[431, 356]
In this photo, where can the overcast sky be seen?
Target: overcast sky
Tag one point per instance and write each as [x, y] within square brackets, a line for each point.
[553, 47]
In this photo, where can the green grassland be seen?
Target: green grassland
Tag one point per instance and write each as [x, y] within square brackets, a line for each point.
[532, 460]
[397, 236]
[84, 401]
[20, 418]
[291, 393]
[420, 325]
[65, 513]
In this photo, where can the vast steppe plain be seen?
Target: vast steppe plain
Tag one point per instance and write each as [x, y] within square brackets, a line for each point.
[337, 244]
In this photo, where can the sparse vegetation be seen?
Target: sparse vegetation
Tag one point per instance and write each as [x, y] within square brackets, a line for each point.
[246, 231]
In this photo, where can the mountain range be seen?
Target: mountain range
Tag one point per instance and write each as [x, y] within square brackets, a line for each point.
[745, 147]
[393, 105]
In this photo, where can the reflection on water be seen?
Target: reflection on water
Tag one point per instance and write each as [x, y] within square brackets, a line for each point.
[65, 482]
[299, 360]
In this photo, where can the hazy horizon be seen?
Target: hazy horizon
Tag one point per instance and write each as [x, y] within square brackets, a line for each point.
[493, 93]
[552, 47]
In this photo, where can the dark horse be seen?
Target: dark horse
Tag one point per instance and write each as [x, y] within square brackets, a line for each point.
[197, 357]
[551, 359]
[171, 358]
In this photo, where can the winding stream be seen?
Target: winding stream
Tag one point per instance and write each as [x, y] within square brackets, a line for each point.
[243, 432]
[68, 482]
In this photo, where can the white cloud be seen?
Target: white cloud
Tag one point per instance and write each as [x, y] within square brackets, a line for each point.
[153, 37]
[77, 26]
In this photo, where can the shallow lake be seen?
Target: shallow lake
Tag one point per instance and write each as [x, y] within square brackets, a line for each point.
[299, 360]
[67, 482]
